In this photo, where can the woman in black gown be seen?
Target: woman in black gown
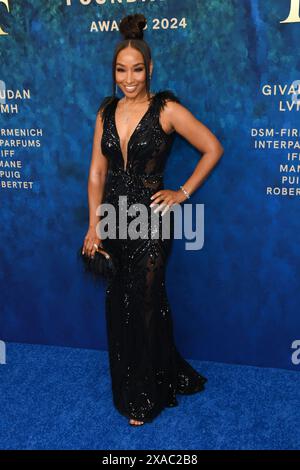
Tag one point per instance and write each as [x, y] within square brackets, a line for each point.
[147, 371]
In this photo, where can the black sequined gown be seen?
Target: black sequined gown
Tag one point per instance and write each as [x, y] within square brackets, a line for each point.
[147, 371]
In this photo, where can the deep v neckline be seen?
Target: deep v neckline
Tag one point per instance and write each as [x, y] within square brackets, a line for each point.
[125, 162]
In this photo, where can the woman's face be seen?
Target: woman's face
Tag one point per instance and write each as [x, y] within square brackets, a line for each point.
[131, 72]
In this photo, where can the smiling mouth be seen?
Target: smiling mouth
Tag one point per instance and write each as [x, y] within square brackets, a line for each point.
[130, 88]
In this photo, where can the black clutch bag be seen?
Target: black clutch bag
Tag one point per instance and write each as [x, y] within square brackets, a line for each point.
[102, 266]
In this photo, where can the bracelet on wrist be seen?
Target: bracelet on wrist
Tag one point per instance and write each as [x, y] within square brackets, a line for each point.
[185, 192]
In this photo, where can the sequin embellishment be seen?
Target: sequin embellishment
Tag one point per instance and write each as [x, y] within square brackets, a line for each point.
[147, 371]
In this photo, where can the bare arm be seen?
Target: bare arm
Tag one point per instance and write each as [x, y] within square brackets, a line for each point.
[97, 174]
[195, 132]
[96, 184]
[180, 119]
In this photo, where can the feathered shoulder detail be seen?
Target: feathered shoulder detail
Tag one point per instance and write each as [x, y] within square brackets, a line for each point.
[105, 105]
[159, 101]
[162, 96]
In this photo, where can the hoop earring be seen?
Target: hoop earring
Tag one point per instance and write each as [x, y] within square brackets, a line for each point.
[116, 90]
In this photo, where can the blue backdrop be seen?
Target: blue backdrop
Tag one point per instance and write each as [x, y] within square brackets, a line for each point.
[234, 301]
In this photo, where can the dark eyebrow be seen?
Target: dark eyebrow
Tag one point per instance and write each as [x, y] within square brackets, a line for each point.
[139, 63]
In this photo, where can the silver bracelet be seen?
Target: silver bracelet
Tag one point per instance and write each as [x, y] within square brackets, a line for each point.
[185, 192]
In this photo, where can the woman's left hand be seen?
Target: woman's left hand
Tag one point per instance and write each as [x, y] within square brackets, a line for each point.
[166, 198]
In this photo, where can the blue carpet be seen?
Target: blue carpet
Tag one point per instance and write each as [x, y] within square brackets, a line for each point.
[60, 398]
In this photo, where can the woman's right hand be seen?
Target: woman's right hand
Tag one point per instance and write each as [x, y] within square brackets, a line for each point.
[90, 240]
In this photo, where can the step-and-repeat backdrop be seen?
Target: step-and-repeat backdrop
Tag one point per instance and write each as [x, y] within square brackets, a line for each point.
[234, 64]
